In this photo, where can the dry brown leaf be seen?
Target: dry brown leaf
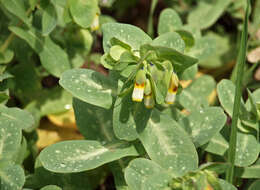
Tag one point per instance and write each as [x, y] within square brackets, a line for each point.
[254, 55]
[49, 134]
[257, 74]
[66, 119]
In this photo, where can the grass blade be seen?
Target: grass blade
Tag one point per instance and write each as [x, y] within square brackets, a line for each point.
[240, 69]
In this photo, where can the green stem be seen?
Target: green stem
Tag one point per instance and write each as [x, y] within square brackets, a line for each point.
[150, 20]
[240, 69]
[6, 43]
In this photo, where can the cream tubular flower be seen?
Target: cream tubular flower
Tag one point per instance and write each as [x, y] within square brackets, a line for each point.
[138, 92]
[172, 90]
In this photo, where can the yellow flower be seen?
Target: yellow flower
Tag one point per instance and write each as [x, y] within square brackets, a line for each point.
[95, 24]
[172, 89]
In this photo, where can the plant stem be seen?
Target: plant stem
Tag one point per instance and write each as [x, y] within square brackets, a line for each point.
[240, 69]
[6, 43]
[150, 20]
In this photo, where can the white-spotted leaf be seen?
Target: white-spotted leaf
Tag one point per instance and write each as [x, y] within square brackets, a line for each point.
[203, 124]
[83, 12]
[144, 174]
[126, 33]
[171, 40]
[128, 116]
[168, 144]
[247, 150]
[11, 177]
[94, 122]
[169, 21]
[81, 155]
[89, 86]
[10, 139]
[53, 58]
[16, 117]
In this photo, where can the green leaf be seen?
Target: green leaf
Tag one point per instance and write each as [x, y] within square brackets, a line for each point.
[215, 54]
[33, 4]
[252, 101]
[5, 75]
[168, 144]
[190, 73]
[81, 155]
[216, 167]
[93, 122]
[255, 96]
[51, 187]
[17, 8]
[217, 145]
[140, 174]
[16, 117]
[203, 48]
[169, 21]
[129, 116]
[207, 13]
[26, 81]
[196, 94]
[226, 95]
[247, 150]
[22, 153]
[71, 181]
[255, 185]
[6, 56]
[170, 39]
[179, 60]
[225, 185]
[203, 124]
[251, 172]
[49, 19]
[53, 101]
[53, 58]
[11, 177]
[126, 33]
[10, 139]
[187, 37]
[3, 96]
[89, 86]
[83, 12]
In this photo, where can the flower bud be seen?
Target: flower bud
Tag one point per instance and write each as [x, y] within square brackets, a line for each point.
[148, 95]
[95, 24]
[172, 89]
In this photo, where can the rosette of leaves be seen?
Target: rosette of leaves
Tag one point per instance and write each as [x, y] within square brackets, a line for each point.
[118, 129]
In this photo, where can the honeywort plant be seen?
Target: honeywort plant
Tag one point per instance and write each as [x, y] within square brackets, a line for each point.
[138, 122]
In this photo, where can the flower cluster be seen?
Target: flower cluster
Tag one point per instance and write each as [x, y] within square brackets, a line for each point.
[143, 89]
[153, 78]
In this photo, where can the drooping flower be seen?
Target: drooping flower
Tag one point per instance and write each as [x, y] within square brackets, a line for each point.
[148, 95]
[95, 24]
[172, 89]
[138, 92]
